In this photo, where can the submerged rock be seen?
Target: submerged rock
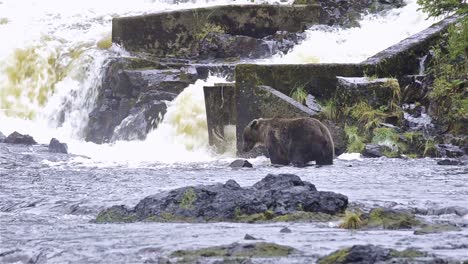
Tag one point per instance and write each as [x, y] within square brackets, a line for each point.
[435, 229]
[373, 151]
[275, 196]
[17, 138]
[236, 250]
[449, 162]
[240, 163]
[57, 147]
[369, 254]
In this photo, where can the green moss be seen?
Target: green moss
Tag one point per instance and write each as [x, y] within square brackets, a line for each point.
[352, 220]
[202, 33]
[408, 254]
[305, 217]
[113, 215]
[260, 250]
[336, 257]
[389, 138]
[268, 216]
[434, 229]
[189, 197]
[355, 141]
[104, 43]
[391, 219]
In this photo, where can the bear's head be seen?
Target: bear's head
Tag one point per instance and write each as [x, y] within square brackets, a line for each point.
[251, 135]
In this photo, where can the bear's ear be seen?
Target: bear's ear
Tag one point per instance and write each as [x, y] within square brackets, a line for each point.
[254, 124]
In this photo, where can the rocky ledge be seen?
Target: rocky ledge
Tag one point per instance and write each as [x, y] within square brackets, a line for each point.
[275, 196]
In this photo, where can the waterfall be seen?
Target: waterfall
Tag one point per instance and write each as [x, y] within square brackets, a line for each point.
[52, 65]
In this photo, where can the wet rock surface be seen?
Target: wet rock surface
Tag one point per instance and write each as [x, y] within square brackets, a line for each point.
[450, 162]
[17, 138]
[2, 137]
[237, 250]
[240, 163]
[274, 195]
[57, 147]
[371, 254]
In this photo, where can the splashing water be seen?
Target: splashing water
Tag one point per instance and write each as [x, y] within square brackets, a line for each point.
[182, 136]
[377, 32]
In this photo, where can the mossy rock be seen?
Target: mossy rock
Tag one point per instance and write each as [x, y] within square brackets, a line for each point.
[370, 254]
[300, 216]
[380, 218]
[392, 219]
[235, 250]
[116, 214]
[434, 229]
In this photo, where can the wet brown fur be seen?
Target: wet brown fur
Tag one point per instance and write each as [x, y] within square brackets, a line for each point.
[291, 140]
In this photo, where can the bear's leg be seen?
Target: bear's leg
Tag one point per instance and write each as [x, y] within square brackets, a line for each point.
[277, 153]
[326, 158]
[299, 156]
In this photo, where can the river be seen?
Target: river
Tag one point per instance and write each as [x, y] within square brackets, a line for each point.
[50, 69]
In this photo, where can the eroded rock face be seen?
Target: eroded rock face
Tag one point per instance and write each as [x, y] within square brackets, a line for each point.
[276, 194]
[17, 138]
[132, 98]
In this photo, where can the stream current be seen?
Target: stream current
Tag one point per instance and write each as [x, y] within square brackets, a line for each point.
[51, 66]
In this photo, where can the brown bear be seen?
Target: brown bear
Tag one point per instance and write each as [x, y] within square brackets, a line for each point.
[291, 140]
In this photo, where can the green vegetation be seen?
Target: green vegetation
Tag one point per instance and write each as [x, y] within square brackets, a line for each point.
[188, 198]
[335, 257]
[352, 220]
[367, 116]
[208, 28]
[430, 148]
[105, 43]
[390, 219]
[437, 8]
[299, 94]
[355, 141]
[329, 110]
[450, 66]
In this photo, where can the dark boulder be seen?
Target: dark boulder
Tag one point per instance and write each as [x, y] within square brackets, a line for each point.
[373, 151]
[449, 162]
[240, 163]
[17, 138]
[57, 147]
[275, 195]
[2, 137]
[449, 150]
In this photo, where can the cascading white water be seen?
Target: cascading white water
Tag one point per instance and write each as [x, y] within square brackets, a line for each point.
[52, 63]
[377, 32]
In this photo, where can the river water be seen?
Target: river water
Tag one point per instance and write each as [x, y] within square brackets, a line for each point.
[50, 68]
